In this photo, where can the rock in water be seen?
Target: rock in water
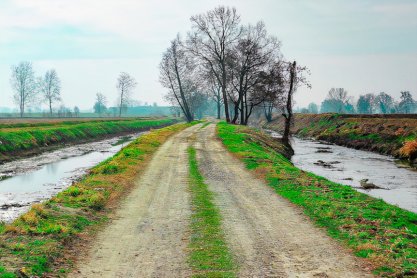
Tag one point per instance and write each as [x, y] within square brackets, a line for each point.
[368, 185]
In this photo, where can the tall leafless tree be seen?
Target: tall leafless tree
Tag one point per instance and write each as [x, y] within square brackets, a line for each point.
[175, 72]
[125, 85]
[273, 88]
[295, 78]
[251, 56]
[24, 84]
[50, 88]
[100, 104]
[211, 39]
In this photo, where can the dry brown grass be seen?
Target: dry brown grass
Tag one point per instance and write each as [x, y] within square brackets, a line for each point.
[409, 149]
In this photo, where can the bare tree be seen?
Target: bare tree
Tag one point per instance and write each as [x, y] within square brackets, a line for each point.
[211, 40]
[175, 71]
[76, 111]
[100, 105]
[385, 103]
[272, 87]
[254, 52]
[208, 83]
[24, 85]
[295, 78]
[50, 87]
[407, 103]
[125, 85]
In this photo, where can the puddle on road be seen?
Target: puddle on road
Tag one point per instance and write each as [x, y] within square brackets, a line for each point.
[27, 181]
[349, 166]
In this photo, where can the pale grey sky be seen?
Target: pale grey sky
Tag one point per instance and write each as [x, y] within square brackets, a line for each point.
[361, 45]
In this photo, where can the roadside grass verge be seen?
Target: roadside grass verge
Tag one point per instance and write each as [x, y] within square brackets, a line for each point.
[25, 139]
[209, 254]
[48, 237]
[382, 233]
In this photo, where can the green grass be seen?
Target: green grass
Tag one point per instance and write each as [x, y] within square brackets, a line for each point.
[38, 241]
[19, 139]
[205, 125]
[209, 254]
[384, 234]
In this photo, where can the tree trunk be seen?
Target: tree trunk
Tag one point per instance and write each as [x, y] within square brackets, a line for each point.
[288, 115]
[121, 103]
[224, 93]
[50, 107]
[218, 109]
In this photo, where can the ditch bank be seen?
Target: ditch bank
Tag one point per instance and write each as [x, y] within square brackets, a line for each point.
[394, 135]
[383, 234]
[28, 140]
[48, 238]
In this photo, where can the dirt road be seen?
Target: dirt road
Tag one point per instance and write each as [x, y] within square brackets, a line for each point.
[147, 238]
[268, 236]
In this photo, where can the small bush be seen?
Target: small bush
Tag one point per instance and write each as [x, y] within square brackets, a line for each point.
[110, 169]
[97, 201]
[74, 191]
[30, 218]
[39, 209]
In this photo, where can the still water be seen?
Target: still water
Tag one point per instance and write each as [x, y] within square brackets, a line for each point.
[349, 166]
[27, 181]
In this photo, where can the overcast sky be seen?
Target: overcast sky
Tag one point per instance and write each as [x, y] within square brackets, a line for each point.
[361, 45]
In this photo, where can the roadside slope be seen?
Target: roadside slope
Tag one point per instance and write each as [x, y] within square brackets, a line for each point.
[147, 236]
[268, 235]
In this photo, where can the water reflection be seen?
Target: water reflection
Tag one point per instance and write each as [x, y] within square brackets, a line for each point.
[38, 178]
[349, 166]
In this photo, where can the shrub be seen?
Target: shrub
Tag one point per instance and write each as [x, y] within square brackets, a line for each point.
[97, 201]
[110, 169]
[74, 191]
[30, 218]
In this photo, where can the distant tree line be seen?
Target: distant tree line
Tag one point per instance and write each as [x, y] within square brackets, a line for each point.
[30, 91]
[234, 69]
[338, 101]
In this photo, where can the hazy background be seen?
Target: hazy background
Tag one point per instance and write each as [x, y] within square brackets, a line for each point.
[363, 46]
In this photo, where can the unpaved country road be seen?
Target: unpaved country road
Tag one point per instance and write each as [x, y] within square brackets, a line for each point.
[268, 236]
[147, 237]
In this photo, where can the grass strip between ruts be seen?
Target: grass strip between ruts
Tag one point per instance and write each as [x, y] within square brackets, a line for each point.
[209, 253]
[43, 239]
[384, 234]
